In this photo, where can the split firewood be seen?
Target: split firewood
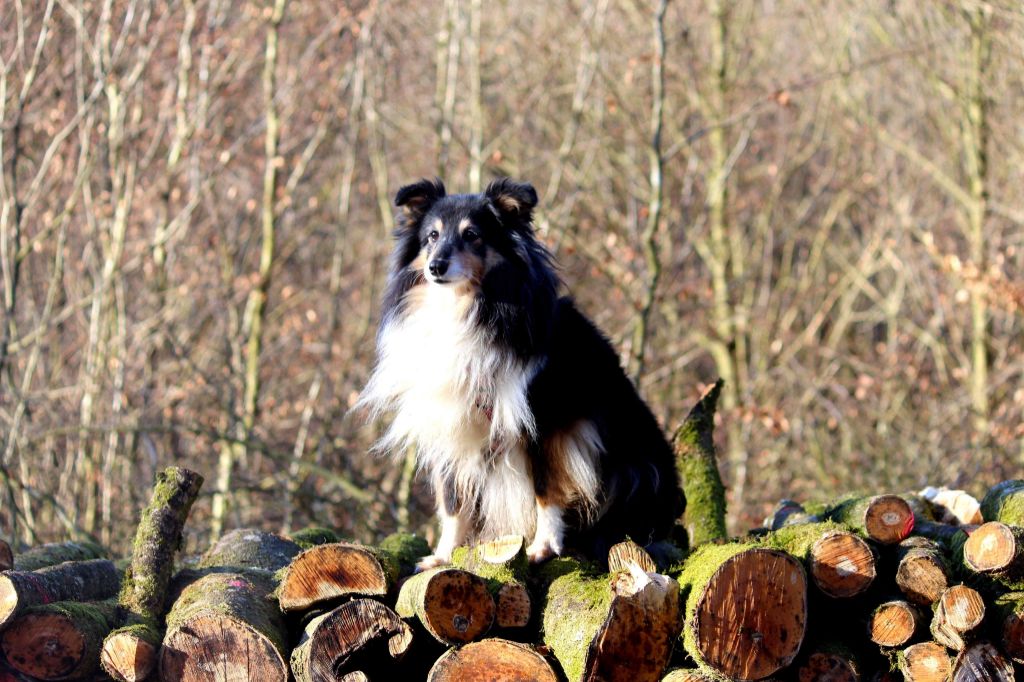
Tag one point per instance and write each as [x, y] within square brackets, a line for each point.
[225, 622]
[59, 641]
[925, 662]
[623, 555]
[492, 659]
[996, 550]
[57, 553]
[611, 627]
[840, 563]
[503, 564]
[325, 572]
[894, 623]
[764, 591]
[982, 662]
[698, 470]
[1008, 624]
[958, 613]
[359, 633]
[92, 580]
[6, 556]
[922, 573]
[1004, 502]
[953, 506]
[886, 519]
[130, 651]
[453, 605]
[250, 548]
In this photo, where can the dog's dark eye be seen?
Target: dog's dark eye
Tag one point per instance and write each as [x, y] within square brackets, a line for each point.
[432, 236]
[470, 235]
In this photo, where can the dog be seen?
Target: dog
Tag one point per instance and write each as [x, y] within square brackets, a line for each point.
[515, 402]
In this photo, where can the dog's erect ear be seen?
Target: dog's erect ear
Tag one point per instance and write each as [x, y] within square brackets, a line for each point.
[512, 198]
[417, 198]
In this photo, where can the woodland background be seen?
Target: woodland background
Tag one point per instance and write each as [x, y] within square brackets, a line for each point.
[818, 201]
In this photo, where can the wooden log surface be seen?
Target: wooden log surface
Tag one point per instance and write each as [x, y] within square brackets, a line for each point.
[982, 662]
[453, 605]
[894, 623]
[886, 519]
[492, 659]
[922, 573]
[958, 613]
[96, 579]
[996, 548]
[503, 563]
[840, 563]
[925, 662]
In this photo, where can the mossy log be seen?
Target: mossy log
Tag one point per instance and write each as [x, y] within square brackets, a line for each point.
[504, 565]
[1008, 624]
[313, 536]
[895, 623]
[942, 533]
[1004, 502]
[764, 593]
[325, 572]
[250, 548]
[362, 632]
[225, 623]
[886, 519]
[59, 641]
[129, 653]
[840, 563]
[453, 605]
[996, 550]
[55, 553]
[492, 659]
[92, 580]
[612, 627]
[921, 573]
[982, 662]
[6, 556]
[958, 614]
[698, 470]
[788, 513]
[925, 662]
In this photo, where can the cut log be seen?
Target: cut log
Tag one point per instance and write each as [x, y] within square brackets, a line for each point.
[59, 641]
[942, 533]
[886, 519]
[618, 627]
[958, 613]
[894, 623]
[624, 554]
[831, 664]
[362, 632]
[982, 662]
[250, 548]
[1004, 502]
[686, 675]
[130, 651]
[953, 506]
[6, 556]
[57, 553]
[841, 564]
[921, 574]
[313, 536]
[788, 513]
[453, 605]
[93, 580]
[492, 659]
[925, 662]
[698, 470]
[996, 548]
[503, 564]
[1009, 624]
[225, 622]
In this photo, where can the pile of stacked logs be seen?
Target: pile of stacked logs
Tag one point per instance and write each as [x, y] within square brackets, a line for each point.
[923, 586]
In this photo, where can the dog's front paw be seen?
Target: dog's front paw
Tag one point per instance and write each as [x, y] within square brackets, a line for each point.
[542, 549]
[431, 561]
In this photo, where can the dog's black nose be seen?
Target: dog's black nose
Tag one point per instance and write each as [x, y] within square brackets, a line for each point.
[438, 267]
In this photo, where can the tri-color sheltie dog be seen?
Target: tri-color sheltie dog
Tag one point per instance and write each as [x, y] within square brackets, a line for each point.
[516, 404]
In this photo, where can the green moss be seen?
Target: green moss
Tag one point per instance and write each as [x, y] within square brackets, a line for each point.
[577, 606]
[406, 548]
[698, 470]
[799, 539]
[514, 570]
[57, 553]
[313, 536]
[1004, 502]
[149, 632]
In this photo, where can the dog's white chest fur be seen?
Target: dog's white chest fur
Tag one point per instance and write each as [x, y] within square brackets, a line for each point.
[462, 403]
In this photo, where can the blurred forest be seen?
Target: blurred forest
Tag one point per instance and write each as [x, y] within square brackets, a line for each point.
[818, 201]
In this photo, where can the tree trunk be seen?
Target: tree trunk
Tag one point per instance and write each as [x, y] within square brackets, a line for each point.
[765, 593]
[982, 661]
[130, 652]
[325, 572]
[492, 659]
[698, 471]
[922, 574]
[352, 636]
[925, 662]
[894, 623]
[223, 626]
[453, 605]
[1004, 502]
[250, 548]
[619, 627]
[70, 581]
[841, 564]
[886, 519]
[958, 614]
[503, 564]
[59, 641]
[57, 553]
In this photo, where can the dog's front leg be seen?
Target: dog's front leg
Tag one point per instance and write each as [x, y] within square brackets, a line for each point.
[455, 524]
[550, 535]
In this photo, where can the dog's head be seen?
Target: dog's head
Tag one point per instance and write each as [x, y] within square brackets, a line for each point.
[458, 240]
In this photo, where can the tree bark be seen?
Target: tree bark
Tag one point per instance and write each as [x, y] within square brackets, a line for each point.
[59, 641]
[982, 661]
[250, 548]
[56, 553]
[492, 659]
[453, 605]
[922, 573]
[71, 581]
[698, 470]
